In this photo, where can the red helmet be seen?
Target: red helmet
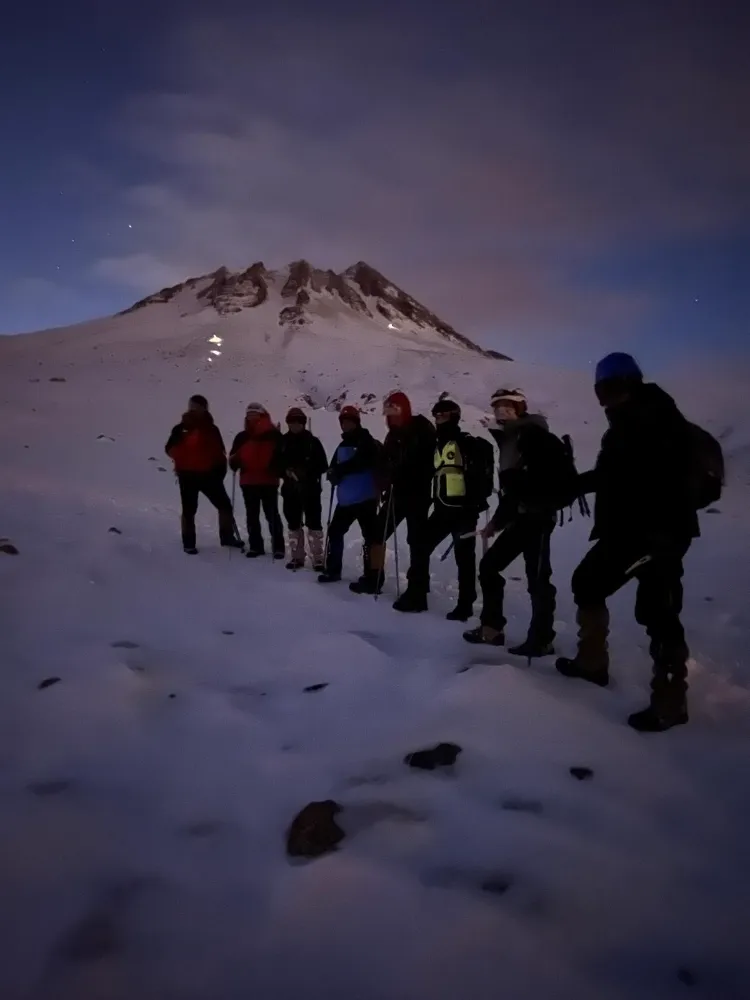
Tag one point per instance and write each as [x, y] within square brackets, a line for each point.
[349, 413]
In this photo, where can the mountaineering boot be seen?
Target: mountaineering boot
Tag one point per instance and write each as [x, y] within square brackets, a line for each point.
[187, 525]
[296, 549]
[326, 577]
[660, 715]
[668, 706]
[531, 649]
[411, 602]
[229, 537]
[591, 662]
[254, 553]
[461, 613]
[190, 552]
[483, 635]
[371, 582]
[315, 545]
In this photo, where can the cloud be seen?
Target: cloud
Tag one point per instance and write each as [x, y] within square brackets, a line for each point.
[491, 189]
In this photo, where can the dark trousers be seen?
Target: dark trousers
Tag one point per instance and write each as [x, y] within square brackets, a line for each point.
[530, 537]
[266, 497]
[302, 506]
[365, 514]
[446, 522]
[211, 485]
[416, 514]
[610, 564]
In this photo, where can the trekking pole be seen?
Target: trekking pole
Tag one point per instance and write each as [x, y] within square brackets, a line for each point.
[328, 526]
[235, 529]
[388, 511]
[395, 557]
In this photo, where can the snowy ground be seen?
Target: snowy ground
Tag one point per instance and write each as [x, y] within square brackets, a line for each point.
[146, 794]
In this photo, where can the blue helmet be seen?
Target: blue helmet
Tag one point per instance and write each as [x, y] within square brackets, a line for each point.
[618, 365]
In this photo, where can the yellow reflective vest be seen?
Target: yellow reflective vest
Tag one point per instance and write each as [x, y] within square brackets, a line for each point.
[449, 484]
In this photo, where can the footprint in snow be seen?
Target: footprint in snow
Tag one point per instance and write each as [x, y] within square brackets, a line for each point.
[522, 805]
[124, 644]
[46, 788]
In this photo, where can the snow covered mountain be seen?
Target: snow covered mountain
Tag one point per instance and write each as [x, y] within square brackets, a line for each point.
[163, 719]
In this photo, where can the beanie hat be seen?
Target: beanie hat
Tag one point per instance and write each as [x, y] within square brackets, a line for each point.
[618, 365]
[296, 416]
[255, 409]
[399, 405]
[447, 406]
[501, 396]
[349, 413]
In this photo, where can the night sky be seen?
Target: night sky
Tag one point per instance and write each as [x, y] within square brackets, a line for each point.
[554, 177]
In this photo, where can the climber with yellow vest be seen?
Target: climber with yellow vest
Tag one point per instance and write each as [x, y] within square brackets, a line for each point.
[464, 476]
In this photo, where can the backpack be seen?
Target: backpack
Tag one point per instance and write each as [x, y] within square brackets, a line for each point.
[706, 471]
[479, 469]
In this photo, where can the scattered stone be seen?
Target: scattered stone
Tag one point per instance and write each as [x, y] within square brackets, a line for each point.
[314, 831]
[709, 599]
[44, 788]
[152, 459]
[104, 437]
[316, 687]
[161, 468]
[522, 805]
[8, 548]
[173, 696]
[33, 380]
[57, 379]
[115, 531]
[26, 446]
[498, 885]
[713, 510]
[124, 644]
[441, 755]
[686, 977]
[582, 773]
[516, 578]
[47, 683]
[227, 631]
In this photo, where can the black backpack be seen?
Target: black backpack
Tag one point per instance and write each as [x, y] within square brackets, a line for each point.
[706, 472]
[479, 469]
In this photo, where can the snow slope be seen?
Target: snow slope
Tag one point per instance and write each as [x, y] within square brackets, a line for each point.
[145, 795]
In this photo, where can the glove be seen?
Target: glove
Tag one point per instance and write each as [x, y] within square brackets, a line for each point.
[334, 477]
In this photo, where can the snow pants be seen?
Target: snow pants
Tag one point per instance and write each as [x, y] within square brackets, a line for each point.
[267, 498]
[211, 485]
[302, 506]
[365, 514]
[528, 536]
[415, 511]
[658, 568]
[446, 522]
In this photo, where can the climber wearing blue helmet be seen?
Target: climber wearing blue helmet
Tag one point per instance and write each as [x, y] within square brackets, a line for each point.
[644, 522]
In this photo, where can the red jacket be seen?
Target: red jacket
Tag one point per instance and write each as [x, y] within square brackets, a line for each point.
[196, 445]
[254, 452]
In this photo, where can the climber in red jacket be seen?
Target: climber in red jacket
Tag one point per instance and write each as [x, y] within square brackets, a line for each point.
[200, 463]
[255, 455]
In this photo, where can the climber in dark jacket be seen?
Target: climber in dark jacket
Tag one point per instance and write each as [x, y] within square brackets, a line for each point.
[196, 447]
[302, 460]
[644, 522]
[530, 464]
[405, 476]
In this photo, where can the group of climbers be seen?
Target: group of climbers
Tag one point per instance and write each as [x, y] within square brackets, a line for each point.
[654, 471]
